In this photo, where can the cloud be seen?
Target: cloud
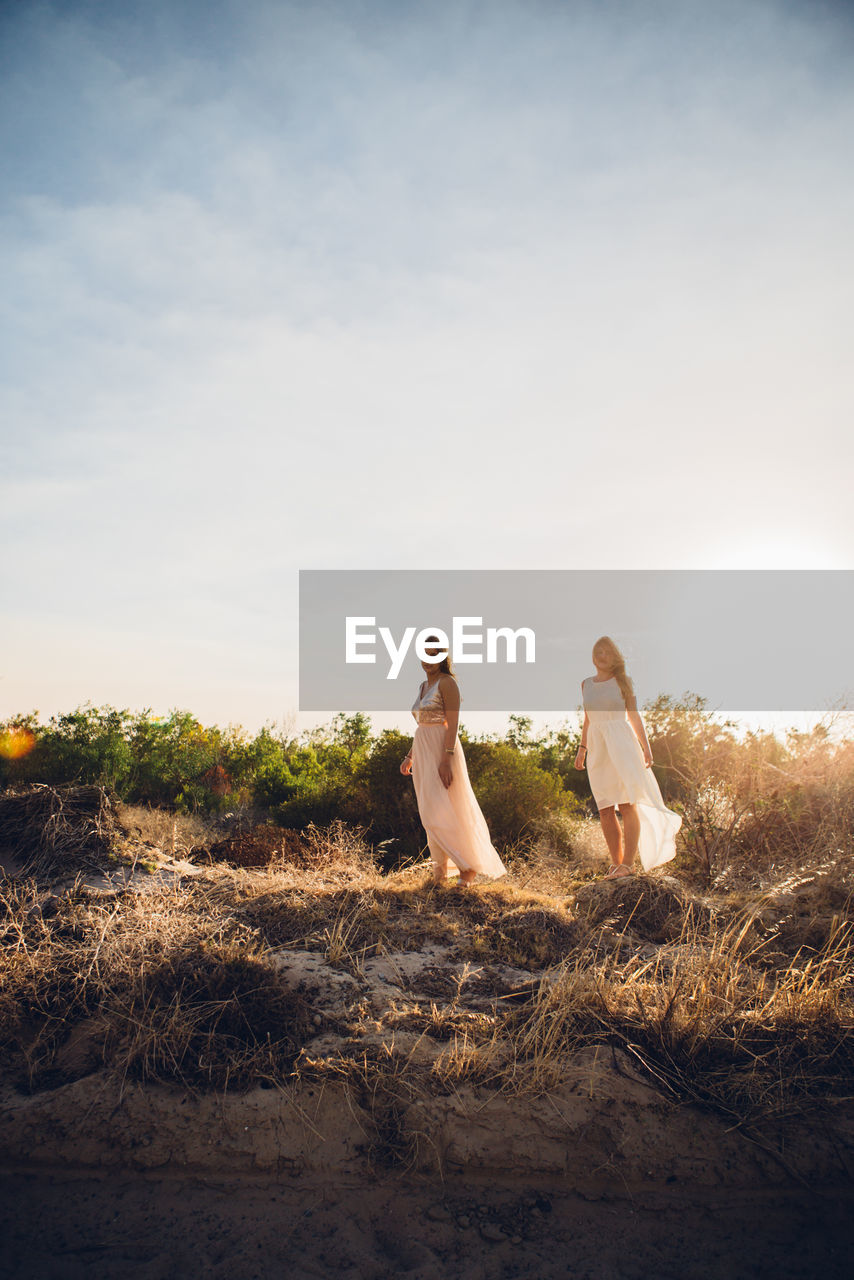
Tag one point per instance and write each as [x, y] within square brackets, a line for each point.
[507, 285]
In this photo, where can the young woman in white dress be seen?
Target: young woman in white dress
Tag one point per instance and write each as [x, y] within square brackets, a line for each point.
[615, 751]
[456, 829]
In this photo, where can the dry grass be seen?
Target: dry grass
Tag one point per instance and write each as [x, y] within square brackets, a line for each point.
[57, 831]
[740, 1001]
[371, 911]
[179, 835]
[212, 1018]
[337, 848]
[754, 812]
[704, 1023]
[659, 909]
[163, 984]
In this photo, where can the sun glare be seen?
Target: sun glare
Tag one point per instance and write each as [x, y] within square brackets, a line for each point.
[15, 743]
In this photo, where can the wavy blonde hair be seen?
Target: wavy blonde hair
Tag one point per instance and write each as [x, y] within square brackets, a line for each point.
[617, 663]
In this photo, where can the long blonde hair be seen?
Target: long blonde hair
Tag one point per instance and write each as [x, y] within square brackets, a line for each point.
[617, 663]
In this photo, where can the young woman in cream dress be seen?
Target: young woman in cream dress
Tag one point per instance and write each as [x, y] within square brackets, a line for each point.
[456, 829]
[615, 751]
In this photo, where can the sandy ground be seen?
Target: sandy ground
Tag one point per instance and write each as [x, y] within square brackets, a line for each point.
[615, 1185]
[155, 1228]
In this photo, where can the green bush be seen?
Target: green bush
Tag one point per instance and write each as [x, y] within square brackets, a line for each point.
[313, 782]
[171, 761]
[512, 790]
[383, 801]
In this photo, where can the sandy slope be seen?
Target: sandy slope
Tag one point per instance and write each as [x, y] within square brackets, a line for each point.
[601, 1179]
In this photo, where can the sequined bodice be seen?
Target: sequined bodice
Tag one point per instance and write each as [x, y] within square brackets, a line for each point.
[429, 706]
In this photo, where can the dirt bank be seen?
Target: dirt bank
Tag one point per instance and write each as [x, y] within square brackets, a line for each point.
[599, 1179]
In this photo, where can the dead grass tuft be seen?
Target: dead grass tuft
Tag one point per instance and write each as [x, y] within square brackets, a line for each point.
[529, 937]
[177, 835]
[209, 1018]
[655, 908]
[59, 831]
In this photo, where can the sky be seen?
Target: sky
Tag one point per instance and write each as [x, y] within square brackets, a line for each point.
[517, 284]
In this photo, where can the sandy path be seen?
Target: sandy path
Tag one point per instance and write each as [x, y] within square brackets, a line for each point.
[145, 1227]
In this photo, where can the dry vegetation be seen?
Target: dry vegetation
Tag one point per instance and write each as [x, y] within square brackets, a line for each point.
[316, 965]
[59, 830]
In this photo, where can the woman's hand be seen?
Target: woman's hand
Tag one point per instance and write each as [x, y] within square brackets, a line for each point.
[647, 756]
[406, 766]
[445, 773]
[580, 757]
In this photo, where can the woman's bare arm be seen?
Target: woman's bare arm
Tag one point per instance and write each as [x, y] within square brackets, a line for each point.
[451, 699]
[633, 717]
[580, 758]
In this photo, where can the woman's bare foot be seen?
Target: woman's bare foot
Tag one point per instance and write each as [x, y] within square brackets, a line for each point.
[467, 877]
[621, 870]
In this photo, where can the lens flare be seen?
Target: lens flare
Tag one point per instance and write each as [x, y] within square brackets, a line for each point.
[16, 742]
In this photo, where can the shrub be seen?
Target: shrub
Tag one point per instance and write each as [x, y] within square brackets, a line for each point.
[512, 789]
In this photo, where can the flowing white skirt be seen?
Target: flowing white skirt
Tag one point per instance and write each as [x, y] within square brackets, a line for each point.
[456, 828]
[618, 775]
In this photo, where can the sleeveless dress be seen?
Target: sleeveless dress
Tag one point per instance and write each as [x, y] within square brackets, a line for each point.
[618, 775]
[456, 828]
